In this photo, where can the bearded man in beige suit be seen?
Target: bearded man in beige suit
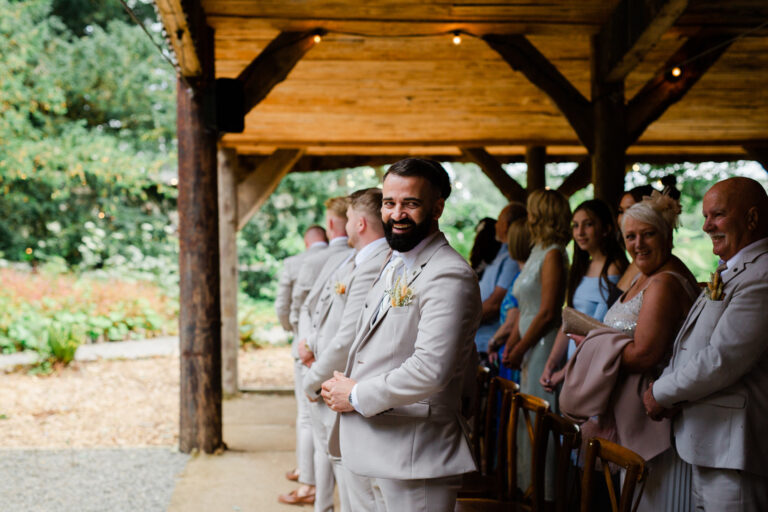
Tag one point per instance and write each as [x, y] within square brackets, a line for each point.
[314, 272]
[401, 423]
[333, 331]
[716, 384]
[314, 241]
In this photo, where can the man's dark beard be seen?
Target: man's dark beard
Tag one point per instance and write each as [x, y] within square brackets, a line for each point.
[406, 241]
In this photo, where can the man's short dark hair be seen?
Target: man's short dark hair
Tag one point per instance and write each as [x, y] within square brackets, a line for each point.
[430, 170]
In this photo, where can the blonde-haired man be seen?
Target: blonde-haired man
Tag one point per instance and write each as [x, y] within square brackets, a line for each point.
[333, 330]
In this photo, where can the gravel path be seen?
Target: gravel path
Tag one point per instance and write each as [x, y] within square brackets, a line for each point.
[98, 480]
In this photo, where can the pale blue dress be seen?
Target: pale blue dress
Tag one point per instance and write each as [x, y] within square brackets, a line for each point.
[591, 299]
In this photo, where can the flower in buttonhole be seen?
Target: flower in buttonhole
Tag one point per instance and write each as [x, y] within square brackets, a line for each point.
[715, 287]
[400, 294]
[340, 288]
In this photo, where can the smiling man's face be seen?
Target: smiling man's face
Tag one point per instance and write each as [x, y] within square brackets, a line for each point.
[409, 211]
[726, 220]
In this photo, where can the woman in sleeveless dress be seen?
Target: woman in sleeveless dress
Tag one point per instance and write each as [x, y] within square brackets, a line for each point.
[598, 263]
[540, 292]
[651, 311]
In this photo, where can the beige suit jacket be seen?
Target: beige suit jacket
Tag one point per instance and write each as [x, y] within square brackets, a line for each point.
[410, 365]
[719, 373]
[308, 274]
[336, 334]
[288, 276]
[317, 301]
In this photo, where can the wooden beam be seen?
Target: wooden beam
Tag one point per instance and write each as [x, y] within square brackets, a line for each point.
[493, 169]
[759, 154]
[610, 130]
[182, 21]
[522, 56]
[257, 187]
[635, 26]
[536, 161]
[578, 179]
[230, 330]
[199, 301]
[273, 64]
[694, 58]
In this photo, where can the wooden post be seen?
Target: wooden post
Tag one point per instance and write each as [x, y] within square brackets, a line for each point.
[200, 312]
[610, 131]
[230, 332]
[536, 160]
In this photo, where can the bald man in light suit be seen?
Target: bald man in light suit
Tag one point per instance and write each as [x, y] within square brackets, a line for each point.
[314, 241]
[400, 424]
[334, 331]
[716, 384]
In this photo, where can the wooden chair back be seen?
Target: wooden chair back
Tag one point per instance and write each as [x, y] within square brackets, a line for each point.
[527, 412]
[565, 436]
[480, 406]
[607, 451]
[499, 399]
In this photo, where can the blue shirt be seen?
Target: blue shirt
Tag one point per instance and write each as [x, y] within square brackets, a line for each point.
[499, 274]
[591, 298]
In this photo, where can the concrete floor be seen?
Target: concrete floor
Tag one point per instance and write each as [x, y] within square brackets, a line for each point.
[260, 433]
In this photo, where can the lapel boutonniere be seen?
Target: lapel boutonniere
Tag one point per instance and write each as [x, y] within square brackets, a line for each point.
[340, 288]
[400, 294]
[715, 287]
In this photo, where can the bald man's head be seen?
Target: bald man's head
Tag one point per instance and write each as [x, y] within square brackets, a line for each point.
[735, 215]
[313, 235]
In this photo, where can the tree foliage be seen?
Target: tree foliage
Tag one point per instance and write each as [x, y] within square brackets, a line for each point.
[86, 123]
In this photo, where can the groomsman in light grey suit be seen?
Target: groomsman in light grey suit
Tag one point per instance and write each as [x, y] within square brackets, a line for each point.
[314, 241]
[333, 331]
[401, 423]
[718, 375]
[315, 270]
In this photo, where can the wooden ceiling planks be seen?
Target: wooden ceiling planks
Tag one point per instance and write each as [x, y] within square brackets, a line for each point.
[363, 89]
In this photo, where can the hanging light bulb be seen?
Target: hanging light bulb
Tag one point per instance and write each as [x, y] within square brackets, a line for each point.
[317, 38]
[456, 38]
[676, 72]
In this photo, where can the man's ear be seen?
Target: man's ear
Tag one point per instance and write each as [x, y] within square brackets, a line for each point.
[752, 218]
[437, 209]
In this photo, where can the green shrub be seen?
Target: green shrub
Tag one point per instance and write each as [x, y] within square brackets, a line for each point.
[63, 340]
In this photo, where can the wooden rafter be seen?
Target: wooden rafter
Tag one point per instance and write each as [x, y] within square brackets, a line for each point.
[694, 58]
[632, 30]
[182, 21]
[493, 169]
[523, 56]
[260, 183]
[578, 179]
[536, 162]
[273, 64]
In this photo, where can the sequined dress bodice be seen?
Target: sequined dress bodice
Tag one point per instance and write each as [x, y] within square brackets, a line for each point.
[623, 315]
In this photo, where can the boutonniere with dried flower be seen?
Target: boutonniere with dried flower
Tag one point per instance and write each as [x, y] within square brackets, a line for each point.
[715, 287]
[400, 294]
[340, 288]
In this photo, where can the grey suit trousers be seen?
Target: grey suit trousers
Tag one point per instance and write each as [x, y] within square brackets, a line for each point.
[305, 446]
[729, 490]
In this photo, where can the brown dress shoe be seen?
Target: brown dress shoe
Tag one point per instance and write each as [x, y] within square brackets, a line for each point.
[292, 475]
[293, 498]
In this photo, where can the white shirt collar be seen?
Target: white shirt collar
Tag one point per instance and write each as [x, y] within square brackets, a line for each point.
[338, 241]
[737, 258]
[366, 252]
[317, 244]
[409, 257]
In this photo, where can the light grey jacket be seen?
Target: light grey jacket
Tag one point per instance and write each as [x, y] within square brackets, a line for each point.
[331, 346]
[317, 300]
[288, 276]
[719, 373]
[410, 365]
